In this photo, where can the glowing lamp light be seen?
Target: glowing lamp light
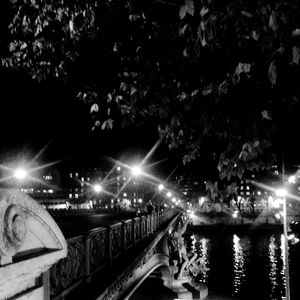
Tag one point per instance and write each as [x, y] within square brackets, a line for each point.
[136, 170]
[281, 192]
[235, 214]
[20, 174]
[161, 187]
[169, 194]
[97, 188]
[292, 179]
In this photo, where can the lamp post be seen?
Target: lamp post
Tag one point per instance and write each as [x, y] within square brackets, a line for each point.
[283, 193]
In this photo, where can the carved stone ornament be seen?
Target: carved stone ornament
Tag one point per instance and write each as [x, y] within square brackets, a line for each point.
[30, 242]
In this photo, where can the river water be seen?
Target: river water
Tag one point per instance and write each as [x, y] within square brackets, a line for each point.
[246, 262]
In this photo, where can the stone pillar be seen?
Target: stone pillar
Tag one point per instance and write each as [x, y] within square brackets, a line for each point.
[30, 243]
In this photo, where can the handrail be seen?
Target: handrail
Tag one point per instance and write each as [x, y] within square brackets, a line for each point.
[89, 253]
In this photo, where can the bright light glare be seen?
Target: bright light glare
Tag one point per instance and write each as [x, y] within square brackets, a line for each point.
[136, 170]
[292, 179]
[97, 188]
[20, 174]
[169, 194]
[281, 192]
[161, 187]
[235, 214]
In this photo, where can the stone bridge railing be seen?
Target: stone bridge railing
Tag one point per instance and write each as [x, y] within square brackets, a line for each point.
[90, 253]
[30, 243]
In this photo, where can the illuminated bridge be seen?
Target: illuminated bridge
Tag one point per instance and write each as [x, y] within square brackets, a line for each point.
[108, 262]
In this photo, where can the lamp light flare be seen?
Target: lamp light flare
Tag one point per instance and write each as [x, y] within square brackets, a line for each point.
[136, 170]
[161, 187]
[20, 174]
[169, 194]
[292, 179]
[97, 188]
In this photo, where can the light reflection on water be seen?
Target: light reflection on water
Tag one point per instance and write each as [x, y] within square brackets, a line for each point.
[203, 253]
[243, 265]
[273, 266]
[238, 264]
[282, 255]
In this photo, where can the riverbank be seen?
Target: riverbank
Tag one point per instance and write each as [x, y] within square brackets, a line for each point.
[245, 219]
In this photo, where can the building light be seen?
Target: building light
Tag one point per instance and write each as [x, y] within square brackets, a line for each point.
[50, 191]
[70, 196]
[259, 193]
[71, 175]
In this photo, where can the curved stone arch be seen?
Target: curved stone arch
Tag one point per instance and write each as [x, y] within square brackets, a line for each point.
[30, 242]
[157, 261]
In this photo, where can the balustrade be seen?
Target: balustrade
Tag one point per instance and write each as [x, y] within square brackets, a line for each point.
[137, 230]
[68, 273]
[128, 234]
[99, 247]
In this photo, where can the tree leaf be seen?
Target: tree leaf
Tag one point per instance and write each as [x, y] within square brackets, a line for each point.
[95, 108]
[273, 21]
[256, 144]
[272, 73]
[296, 55]
[266, 115]
[187, 8]
[242, 68]
[204, 10]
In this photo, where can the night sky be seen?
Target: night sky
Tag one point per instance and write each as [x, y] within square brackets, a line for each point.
[34, 115]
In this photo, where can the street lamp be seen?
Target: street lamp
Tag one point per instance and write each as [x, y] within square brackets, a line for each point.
[97, 188]
[283, 193]
[161, 187]
[20, 174]
[136, 170]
